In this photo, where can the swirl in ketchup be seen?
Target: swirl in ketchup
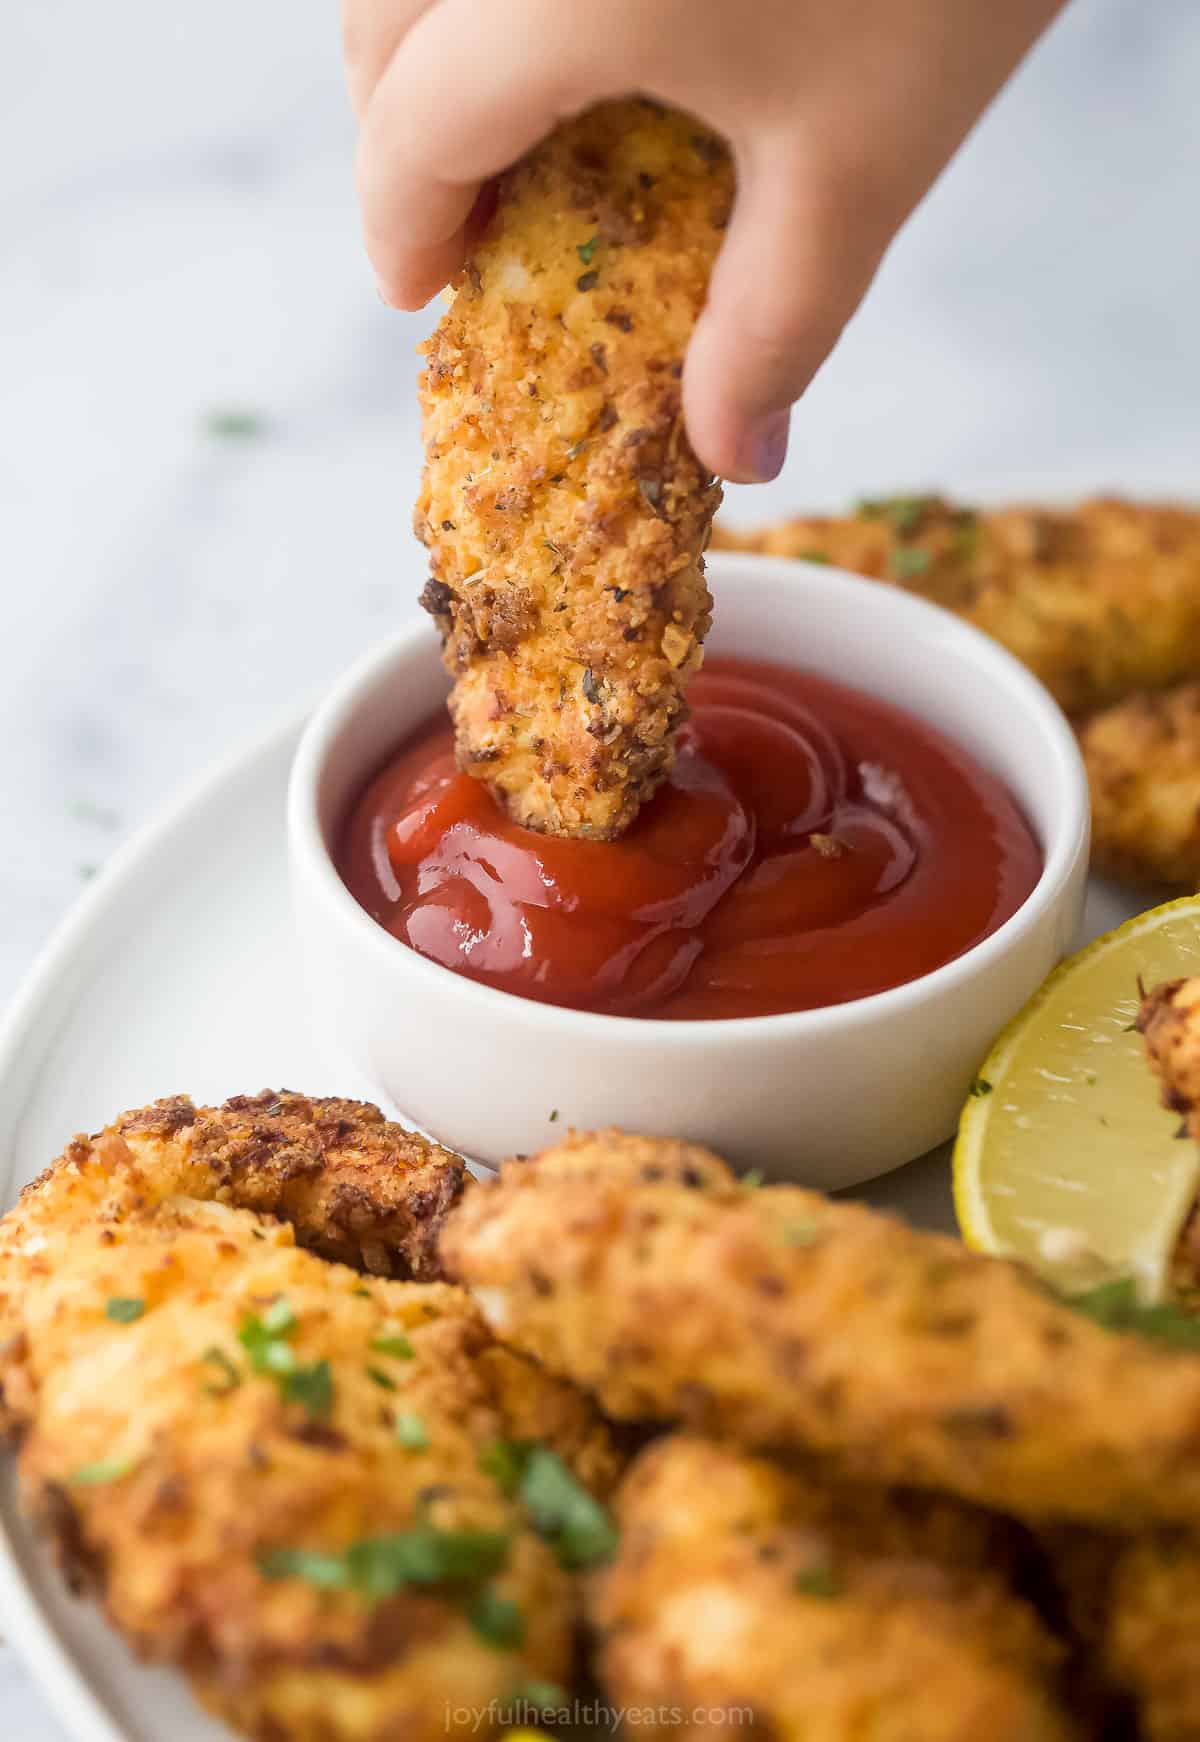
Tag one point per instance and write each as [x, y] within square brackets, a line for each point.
[811, 845]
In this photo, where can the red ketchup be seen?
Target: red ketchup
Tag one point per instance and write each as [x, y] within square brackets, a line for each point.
[811, 845]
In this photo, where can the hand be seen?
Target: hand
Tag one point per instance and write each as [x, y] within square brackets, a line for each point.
[840, 116]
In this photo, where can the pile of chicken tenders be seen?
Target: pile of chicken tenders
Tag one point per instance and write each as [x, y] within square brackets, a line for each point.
[372, 1450]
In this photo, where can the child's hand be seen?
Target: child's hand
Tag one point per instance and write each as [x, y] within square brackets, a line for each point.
[840, 114]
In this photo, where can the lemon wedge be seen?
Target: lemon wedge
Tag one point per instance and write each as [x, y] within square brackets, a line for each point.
[1065, 1157]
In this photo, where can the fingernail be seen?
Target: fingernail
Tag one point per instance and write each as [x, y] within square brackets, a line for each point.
[768, 445]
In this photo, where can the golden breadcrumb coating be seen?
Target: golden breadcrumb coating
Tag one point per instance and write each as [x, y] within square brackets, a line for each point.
[1135, 1606]
[563, 508]
[1098, 601]
[355, 1186]
[1169, 1021]
[775, 1317]
[832, 1614]
[1143, 763]
[241, 1447]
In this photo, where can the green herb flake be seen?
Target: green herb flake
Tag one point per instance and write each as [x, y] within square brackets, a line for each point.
[411, 1432]
[1116, 1306]
[123, 1309]
[542, 1696]
[230, 1377]
[815, 556]
[818, 1582]
[234, 424]
[561, 1509]
[553, 1116]
[753, 1180]
[979, 1088]
[382, 1565]
[504, 1462]
[384, 1380]
[585, 250]
[330, 1571]
[908, 561]
[377, 1567]
[395, 1344]
[498, 1621]
[312, 1387]
[903, 514]
[103, 1470]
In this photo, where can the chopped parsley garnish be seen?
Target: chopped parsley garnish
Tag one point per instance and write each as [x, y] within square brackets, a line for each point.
[909, 560]
[979, 1088]
[394, 1343]
[815, 556]
[327, 1570]
[411, 1432]
[377, 1567]
[310, 1386]
[585, 250]
[553, 1115]
[230, 1377]
[1116, 1306]
[903, 514]
[504, 1462]
[384, 1380]
[542, 1696]
[229, 424]
[752, 1180]
[123, 1309]
[265, 1339]
[103, 1470]
[818, 1582]
[497, 1621]
[560, 1508]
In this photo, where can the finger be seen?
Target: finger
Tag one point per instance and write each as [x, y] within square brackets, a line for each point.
[428, 143]
[372, 30]
[798, 257]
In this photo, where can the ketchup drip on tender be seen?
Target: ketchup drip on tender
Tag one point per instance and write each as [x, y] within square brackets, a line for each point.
[810, 846]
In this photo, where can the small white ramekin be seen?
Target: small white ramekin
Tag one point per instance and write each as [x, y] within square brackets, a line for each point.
[828, 1097]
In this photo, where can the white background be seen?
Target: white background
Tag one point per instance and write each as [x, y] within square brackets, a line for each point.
[177, 236]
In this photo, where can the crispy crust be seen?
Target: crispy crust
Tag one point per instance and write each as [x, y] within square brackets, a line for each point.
[564, 511]
[780, 1318]
[1143, 763]
[840, 1614]
[1098, 602]
[208, 1464]
[1135, 1607]
[355, 1186]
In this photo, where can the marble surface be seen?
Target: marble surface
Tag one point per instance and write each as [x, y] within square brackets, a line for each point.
[208, 443]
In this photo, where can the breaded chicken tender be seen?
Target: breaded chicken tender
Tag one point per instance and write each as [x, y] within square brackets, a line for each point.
[266, 1466]
[832, 1614]
[1135, 1606]
[778, 1318]
[1143, 763]
[354, 1186]
[564, 511]
[1098, 601]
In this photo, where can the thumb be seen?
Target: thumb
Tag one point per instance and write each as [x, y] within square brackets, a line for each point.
[794, 266]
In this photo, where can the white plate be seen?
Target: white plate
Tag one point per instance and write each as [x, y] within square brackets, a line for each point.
[177, 973]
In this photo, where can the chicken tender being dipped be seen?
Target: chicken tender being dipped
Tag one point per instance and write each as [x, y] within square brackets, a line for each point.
[835, 1614]
[1143, 763]
[1098, 601]
[564, 511]
[272, 1470]
[649, 1275]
